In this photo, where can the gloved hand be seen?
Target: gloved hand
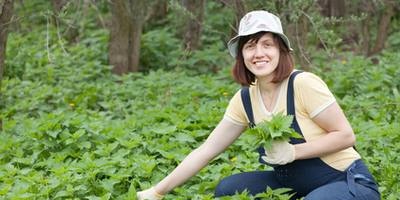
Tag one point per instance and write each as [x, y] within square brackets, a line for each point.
[149, 194]
[280, 153]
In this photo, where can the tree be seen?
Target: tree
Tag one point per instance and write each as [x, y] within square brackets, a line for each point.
[383, 28]
[58, 5]
[193, 24]
[72, 32]
[158, 10]
[375, 21]
[6, 7]
[126, 29]
[239, 8]
[332, 8]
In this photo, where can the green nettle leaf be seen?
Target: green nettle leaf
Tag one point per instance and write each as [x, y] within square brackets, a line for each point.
[61, 194]
[5, 188]
[164, 128]
[131, 194]
[78, 134]
[54, 133]
[108, 184]
[278, 128]
[280, 193]
[84, 145]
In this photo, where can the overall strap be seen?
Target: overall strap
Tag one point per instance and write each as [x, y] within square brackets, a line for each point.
[245, 94]
[290, 108]
[246, 100]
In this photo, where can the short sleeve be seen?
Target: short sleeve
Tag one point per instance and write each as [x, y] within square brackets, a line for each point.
[313, 93]
[235, 111]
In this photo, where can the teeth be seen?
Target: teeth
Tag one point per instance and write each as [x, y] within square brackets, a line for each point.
[261, 62]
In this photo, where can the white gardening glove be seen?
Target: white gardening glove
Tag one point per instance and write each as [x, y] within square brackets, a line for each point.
[280, 153]
[149, 194]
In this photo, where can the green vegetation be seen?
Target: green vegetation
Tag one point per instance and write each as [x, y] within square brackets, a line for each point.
[74, 130]
[277, 128]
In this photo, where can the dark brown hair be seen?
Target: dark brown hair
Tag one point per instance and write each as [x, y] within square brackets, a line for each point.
[285, 65]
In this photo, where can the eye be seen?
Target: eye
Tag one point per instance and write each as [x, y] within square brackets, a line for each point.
[268, 44]
[249, 45]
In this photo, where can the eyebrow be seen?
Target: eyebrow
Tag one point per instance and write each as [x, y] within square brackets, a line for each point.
[256, 40]
[266, 40]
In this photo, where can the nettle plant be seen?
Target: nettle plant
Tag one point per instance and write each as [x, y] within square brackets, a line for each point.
[276, 129]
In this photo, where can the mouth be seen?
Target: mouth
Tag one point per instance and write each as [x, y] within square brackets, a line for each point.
[260, 63]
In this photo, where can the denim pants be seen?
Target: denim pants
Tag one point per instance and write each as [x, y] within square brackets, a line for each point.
[356, 183]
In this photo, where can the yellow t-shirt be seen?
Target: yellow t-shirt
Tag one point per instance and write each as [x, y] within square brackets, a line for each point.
[311, 97]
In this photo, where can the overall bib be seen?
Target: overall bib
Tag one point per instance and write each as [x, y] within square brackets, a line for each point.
[303, 176]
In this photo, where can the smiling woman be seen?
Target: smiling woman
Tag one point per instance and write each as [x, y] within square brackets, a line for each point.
[261, 53]
[261, 56]
[322, 164]
[284, 60]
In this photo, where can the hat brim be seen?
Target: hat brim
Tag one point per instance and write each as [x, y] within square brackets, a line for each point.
[233, 43]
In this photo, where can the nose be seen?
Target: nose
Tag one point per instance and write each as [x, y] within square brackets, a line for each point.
[259, 52]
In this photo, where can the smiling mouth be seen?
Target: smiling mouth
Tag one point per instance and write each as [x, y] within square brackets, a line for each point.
[259, 63]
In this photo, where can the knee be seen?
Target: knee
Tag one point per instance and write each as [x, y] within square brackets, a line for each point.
[314, 196]
[224, 188]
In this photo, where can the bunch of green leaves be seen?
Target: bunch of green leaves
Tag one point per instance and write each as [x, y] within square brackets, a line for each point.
[277, 128]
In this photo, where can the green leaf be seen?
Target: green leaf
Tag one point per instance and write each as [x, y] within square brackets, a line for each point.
[131, 191]
[277, 128]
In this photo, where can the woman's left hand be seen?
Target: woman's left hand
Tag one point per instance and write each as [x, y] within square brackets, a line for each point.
[280, 153]
[149, 194]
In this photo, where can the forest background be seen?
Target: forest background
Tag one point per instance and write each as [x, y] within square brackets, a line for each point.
[101, 98]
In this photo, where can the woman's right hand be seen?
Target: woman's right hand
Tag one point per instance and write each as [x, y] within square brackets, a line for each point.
[149, 194]
[280, 153]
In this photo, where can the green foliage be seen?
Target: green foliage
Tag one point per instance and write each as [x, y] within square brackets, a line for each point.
[81, 132]
[73, 130]
[278, 194]
[159, 50]
[162, 50]
[162, 47]
[211, 59]
[277, 128]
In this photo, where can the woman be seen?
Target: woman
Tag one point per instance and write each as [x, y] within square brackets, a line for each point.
[322, 165]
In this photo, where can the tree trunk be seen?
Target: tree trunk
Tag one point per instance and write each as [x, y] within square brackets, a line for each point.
[383, 28]
[6, 8]
[72, 31]
[332, 8]
[193, 26]
[58, 5]
[365, 40]
[239, 8]
[158, 11]
[126, 29]
[240, 11]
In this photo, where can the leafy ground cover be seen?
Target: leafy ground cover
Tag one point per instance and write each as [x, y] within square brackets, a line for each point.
[72, 130]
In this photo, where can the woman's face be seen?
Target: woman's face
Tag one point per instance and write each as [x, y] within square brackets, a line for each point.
[261, 57]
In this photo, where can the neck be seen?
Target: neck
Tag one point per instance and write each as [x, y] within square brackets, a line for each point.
[269, 91]
[267, 86]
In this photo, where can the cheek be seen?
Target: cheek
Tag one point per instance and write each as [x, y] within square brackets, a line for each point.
[275, 54]
[245, 54]
[246, 57]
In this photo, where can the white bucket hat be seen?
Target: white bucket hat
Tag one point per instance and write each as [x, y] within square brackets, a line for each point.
[254, 22]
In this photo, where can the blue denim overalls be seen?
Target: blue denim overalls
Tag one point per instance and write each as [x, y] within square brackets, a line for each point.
[303, 176]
